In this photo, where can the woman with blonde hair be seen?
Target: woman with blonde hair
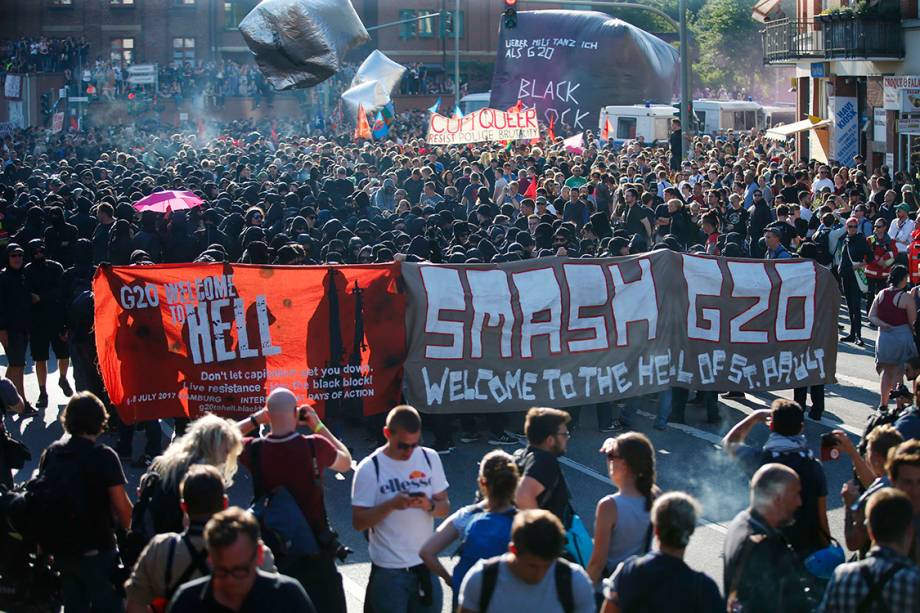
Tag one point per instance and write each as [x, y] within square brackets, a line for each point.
[208, 440]
[622, 521]
[483, 528]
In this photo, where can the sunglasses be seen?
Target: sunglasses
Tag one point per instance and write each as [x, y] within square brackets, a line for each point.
[407, 446]
[851, 226]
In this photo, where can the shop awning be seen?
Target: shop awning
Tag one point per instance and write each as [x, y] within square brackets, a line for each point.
[784, 132]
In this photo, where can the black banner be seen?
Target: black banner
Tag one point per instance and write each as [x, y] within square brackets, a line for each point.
[570, 64]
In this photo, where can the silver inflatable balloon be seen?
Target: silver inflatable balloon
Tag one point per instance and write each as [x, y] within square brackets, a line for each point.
[299, 43]
[378, 67]
[371, 95]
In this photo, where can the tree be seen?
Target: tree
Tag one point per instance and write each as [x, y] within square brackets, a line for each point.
[728, 45]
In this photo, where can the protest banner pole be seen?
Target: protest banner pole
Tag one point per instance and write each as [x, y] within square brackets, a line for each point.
[456, 54]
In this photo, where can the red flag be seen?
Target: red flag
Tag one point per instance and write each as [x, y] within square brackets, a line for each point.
[362, 129]
[516, 108]
[74, 125]
[274, 134]
[605, 133]
[531, 191]
[550, 132]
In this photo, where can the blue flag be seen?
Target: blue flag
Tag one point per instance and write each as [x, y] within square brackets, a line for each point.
[457, 111]
[436, 106]
[381, 129]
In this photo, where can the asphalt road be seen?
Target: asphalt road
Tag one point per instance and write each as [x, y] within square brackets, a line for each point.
[688, 458]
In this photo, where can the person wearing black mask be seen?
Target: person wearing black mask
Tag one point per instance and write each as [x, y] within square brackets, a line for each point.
[43, 280]
[15, 318]
[105, 215]
[760, 218]
[148, 239]
[60, 237]
[82, 219]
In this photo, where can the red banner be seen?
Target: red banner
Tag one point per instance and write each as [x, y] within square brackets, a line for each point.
[186, 339]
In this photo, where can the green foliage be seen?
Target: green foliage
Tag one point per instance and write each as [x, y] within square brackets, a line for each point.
[727, 44]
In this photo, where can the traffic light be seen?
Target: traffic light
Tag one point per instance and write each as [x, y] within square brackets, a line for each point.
[510, 14]
[447, 22]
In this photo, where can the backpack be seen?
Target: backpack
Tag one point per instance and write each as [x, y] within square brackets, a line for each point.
[57, 507]
[563, 576]
[156, 511]
[485, 536]
[198, 562]
[823, 247]
[879, 417]
[376, 462]
[284, 528]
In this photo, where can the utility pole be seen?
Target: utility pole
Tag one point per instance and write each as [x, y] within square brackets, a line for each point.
[456, 23]
[685, 91]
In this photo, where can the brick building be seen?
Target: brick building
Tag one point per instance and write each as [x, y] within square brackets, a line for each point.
[159, 31]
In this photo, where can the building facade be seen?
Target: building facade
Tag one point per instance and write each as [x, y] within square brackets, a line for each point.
[856, 64]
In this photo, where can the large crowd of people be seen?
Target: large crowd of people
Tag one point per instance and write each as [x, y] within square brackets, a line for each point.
[289, 194]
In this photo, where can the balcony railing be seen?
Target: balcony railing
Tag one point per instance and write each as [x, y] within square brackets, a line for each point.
[830, 38]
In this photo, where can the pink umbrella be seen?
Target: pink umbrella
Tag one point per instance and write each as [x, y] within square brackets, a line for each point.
[164, 202]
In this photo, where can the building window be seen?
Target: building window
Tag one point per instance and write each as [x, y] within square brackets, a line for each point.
[185, 2]
[60, 2]
[184, 49]
[121, 2]
[407, 30]
[122, 50]
[235, 10]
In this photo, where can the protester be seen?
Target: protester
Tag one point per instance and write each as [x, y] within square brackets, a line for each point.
[15, 318]
[894, 311]
[531, 576]
[90, 478]
[853, 251]
[483, 528]
[269, 459]
[887, 579]
[236, 583]
[649, 582]
[622, 523]
[174, 558]
[762, 572]
[543, 486]
[396, 493]
[10, 401]
[786, 445]
[903, 469]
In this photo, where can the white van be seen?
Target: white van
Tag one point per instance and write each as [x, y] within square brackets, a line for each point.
[627, 123]
[714, 116]
[474, 102]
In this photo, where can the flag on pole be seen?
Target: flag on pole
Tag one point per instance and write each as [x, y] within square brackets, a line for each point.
[457, 112]
[388, 113]
[550, 132]
[274, 133]
[381, 129]
[605, 133]
[531, 191]
[575, 144]
[362, 129]
[437, 105]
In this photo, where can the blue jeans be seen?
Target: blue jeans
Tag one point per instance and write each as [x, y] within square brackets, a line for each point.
[87, 583]
[395, 590]
[664, 407]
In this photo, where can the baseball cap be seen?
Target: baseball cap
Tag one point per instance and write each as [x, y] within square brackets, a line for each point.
[903, 207]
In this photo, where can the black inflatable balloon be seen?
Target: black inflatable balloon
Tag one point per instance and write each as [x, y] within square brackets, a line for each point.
[299, 43]
[570, 64]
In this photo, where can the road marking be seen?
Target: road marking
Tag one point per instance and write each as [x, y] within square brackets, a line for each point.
[352, 588]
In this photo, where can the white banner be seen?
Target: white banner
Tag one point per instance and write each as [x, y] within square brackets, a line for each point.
[12, 87]
[879, 125]
[484, 125]
[892, 85]
[57, 122]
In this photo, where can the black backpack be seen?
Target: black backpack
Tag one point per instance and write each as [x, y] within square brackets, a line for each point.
[56, 502]
[823, 247]
[156, 511]
[563, 576]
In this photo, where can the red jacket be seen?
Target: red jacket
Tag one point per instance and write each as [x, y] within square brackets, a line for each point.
[882, 257]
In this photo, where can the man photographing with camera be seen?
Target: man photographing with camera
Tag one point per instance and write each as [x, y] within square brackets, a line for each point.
[271, 458]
